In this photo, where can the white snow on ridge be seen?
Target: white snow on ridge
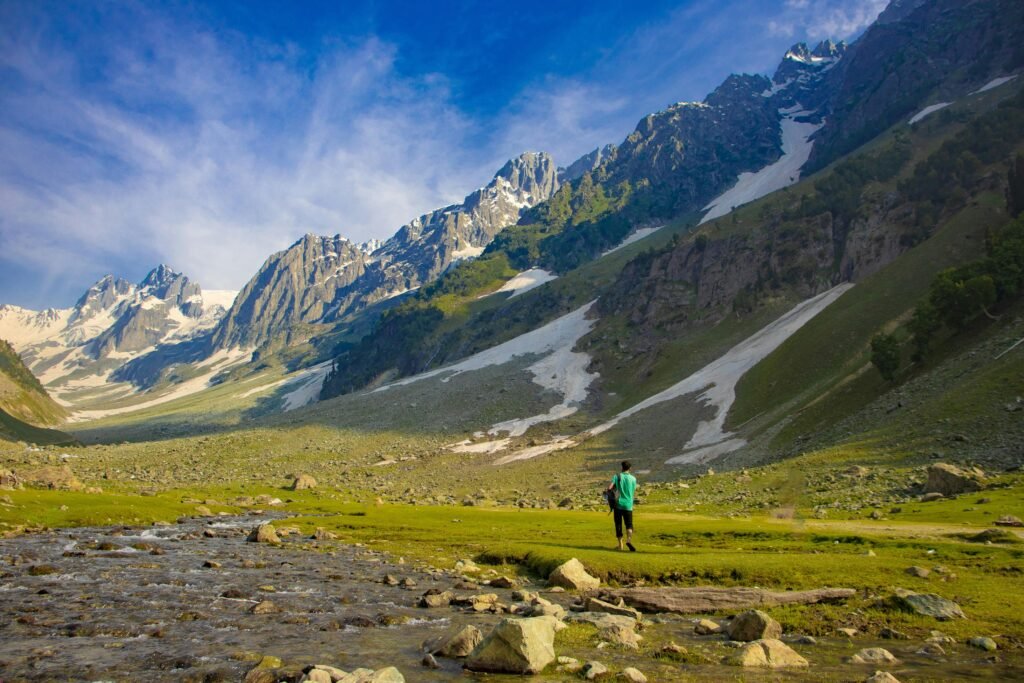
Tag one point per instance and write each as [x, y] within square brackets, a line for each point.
[718, 379]
[633, 237]
[525, 281]
[931, 109]
[468, 251]
[796, 149]
[994, 83]
[309, 381]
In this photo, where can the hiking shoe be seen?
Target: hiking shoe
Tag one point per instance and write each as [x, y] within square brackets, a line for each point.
[631, 547]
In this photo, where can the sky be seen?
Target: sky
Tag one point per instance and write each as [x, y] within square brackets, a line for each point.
[209, 135]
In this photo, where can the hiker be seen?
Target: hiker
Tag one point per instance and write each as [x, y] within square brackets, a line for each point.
[620, 499]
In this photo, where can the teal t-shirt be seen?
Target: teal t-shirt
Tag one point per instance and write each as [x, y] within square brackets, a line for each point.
[626, 485]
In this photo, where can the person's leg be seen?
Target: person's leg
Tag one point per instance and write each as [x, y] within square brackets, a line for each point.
[629, 530]
[618, 527]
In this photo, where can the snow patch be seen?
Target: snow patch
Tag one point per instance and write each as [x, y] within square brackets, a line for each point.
[309, 382]
[468, 251]
[931, 109]
[525, 281]
[994, 83]
[634, 236]
[487, 447]
[796, 149]
[718, 379]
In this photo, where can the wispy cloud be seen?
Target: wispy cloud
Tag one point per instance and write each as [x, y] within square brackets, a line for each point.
[211, 153]
[820, 19]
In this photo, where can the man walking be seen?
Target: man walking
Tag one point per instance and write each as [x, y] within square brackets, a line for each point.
[621, 492]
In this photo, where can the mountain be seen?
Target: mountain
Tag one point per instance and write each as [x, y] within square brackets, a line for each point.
[324, 279]
[25, 407]
[76, 350]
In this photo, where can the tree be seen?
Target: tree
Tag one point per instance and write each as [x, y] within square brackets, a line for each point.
[923, 326]
[885, 355]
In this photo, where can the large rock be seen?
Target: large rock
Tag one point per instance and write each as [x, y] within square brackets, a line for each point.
[386, 675]
[881, 677]
[52, 477]
[303, 482]
[573, 576]
[754, 625]
[456, 642]
[434, 599]
[925, 604]
[768, 653]
[950, 480]
[706, 600]
[264, 533]
[621, 635]
[515, 646]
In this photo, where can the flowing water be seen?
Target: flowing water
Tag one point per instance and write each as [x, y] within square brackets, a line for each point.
[131, 604]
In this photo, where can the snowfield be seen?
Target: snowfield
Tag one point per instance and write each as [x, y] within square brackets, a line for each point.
[994, 83]
[931, 109]
[796, 150]
[633, 237]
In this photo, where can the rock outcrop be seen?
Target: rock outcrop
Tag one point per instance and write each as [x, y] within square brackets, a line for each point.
[704, 600]
[768, 653]
[950, 480]
[754, 625]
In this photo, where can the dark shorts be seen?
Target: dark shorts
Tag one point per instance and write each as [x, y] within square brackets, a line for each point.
[620, 517]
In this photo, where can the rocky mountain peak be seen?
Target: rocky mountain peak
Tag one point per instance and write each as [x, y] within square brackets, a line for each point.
[586, 163]
[534, 173]
[829, 49]
[104, 294]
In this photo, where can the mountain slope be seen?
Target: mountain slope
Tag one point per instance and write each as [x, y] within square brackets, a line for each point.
[322, 279]
[21, 394]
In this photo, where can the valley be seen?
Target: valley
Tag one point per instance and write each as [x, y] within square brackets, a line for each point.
[796, 307]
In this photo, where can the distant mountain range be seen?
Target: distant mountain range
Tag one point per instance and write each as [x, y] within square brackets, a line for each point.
[383, 309]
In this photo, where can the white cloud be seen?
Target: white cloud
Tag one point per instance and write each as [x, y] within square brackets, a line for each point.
[820, 19]
[211, 153]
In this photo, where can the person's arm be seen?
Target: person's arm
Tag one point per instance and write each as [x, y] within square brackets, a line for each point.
[612, 484]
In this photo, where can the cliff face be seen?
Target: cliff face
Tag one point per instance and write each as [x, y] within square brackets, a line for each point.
[323, 279]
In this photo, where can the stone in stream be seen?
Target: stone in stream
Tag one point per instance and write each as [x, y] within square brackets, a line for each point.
[950, 480]
[335, 673]
[502, 582]
[600, 619]
[595, 605]
[892, 634]
[322, 534]
[768, 653]
[874, 655]
[456, 642]
[303, 482]
[754, 625]
[572, 575]
[265, 607]
[516, 646]
[925, 604]
[434, 599]
[317, 676]
[264, 533]
[931, 650]
[429, 661]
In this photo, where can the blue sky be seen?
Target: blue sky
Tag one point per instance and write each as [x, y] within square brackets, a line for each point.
[209, 135]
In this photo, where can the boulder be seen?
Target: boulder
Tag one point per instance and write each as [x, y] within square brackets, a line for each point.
[621, 635]
[594, 671]
[322, 534]
[303, 482]
[983, 643]
[456, 642]
[707, 600]
[387, 675]
[264, 607]
[919, 572]
[9, 481]
[264, 533]
[51, 477]
[925, 604]
[335, 673]
[515, 646]
[573, 576]
[632, 675]
[1009, 520]
[950, 480]
[317, 676]
[932, 497]
[502, 582]
[754, 625]
[881, 677]
[873, 655]
[768, 653]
